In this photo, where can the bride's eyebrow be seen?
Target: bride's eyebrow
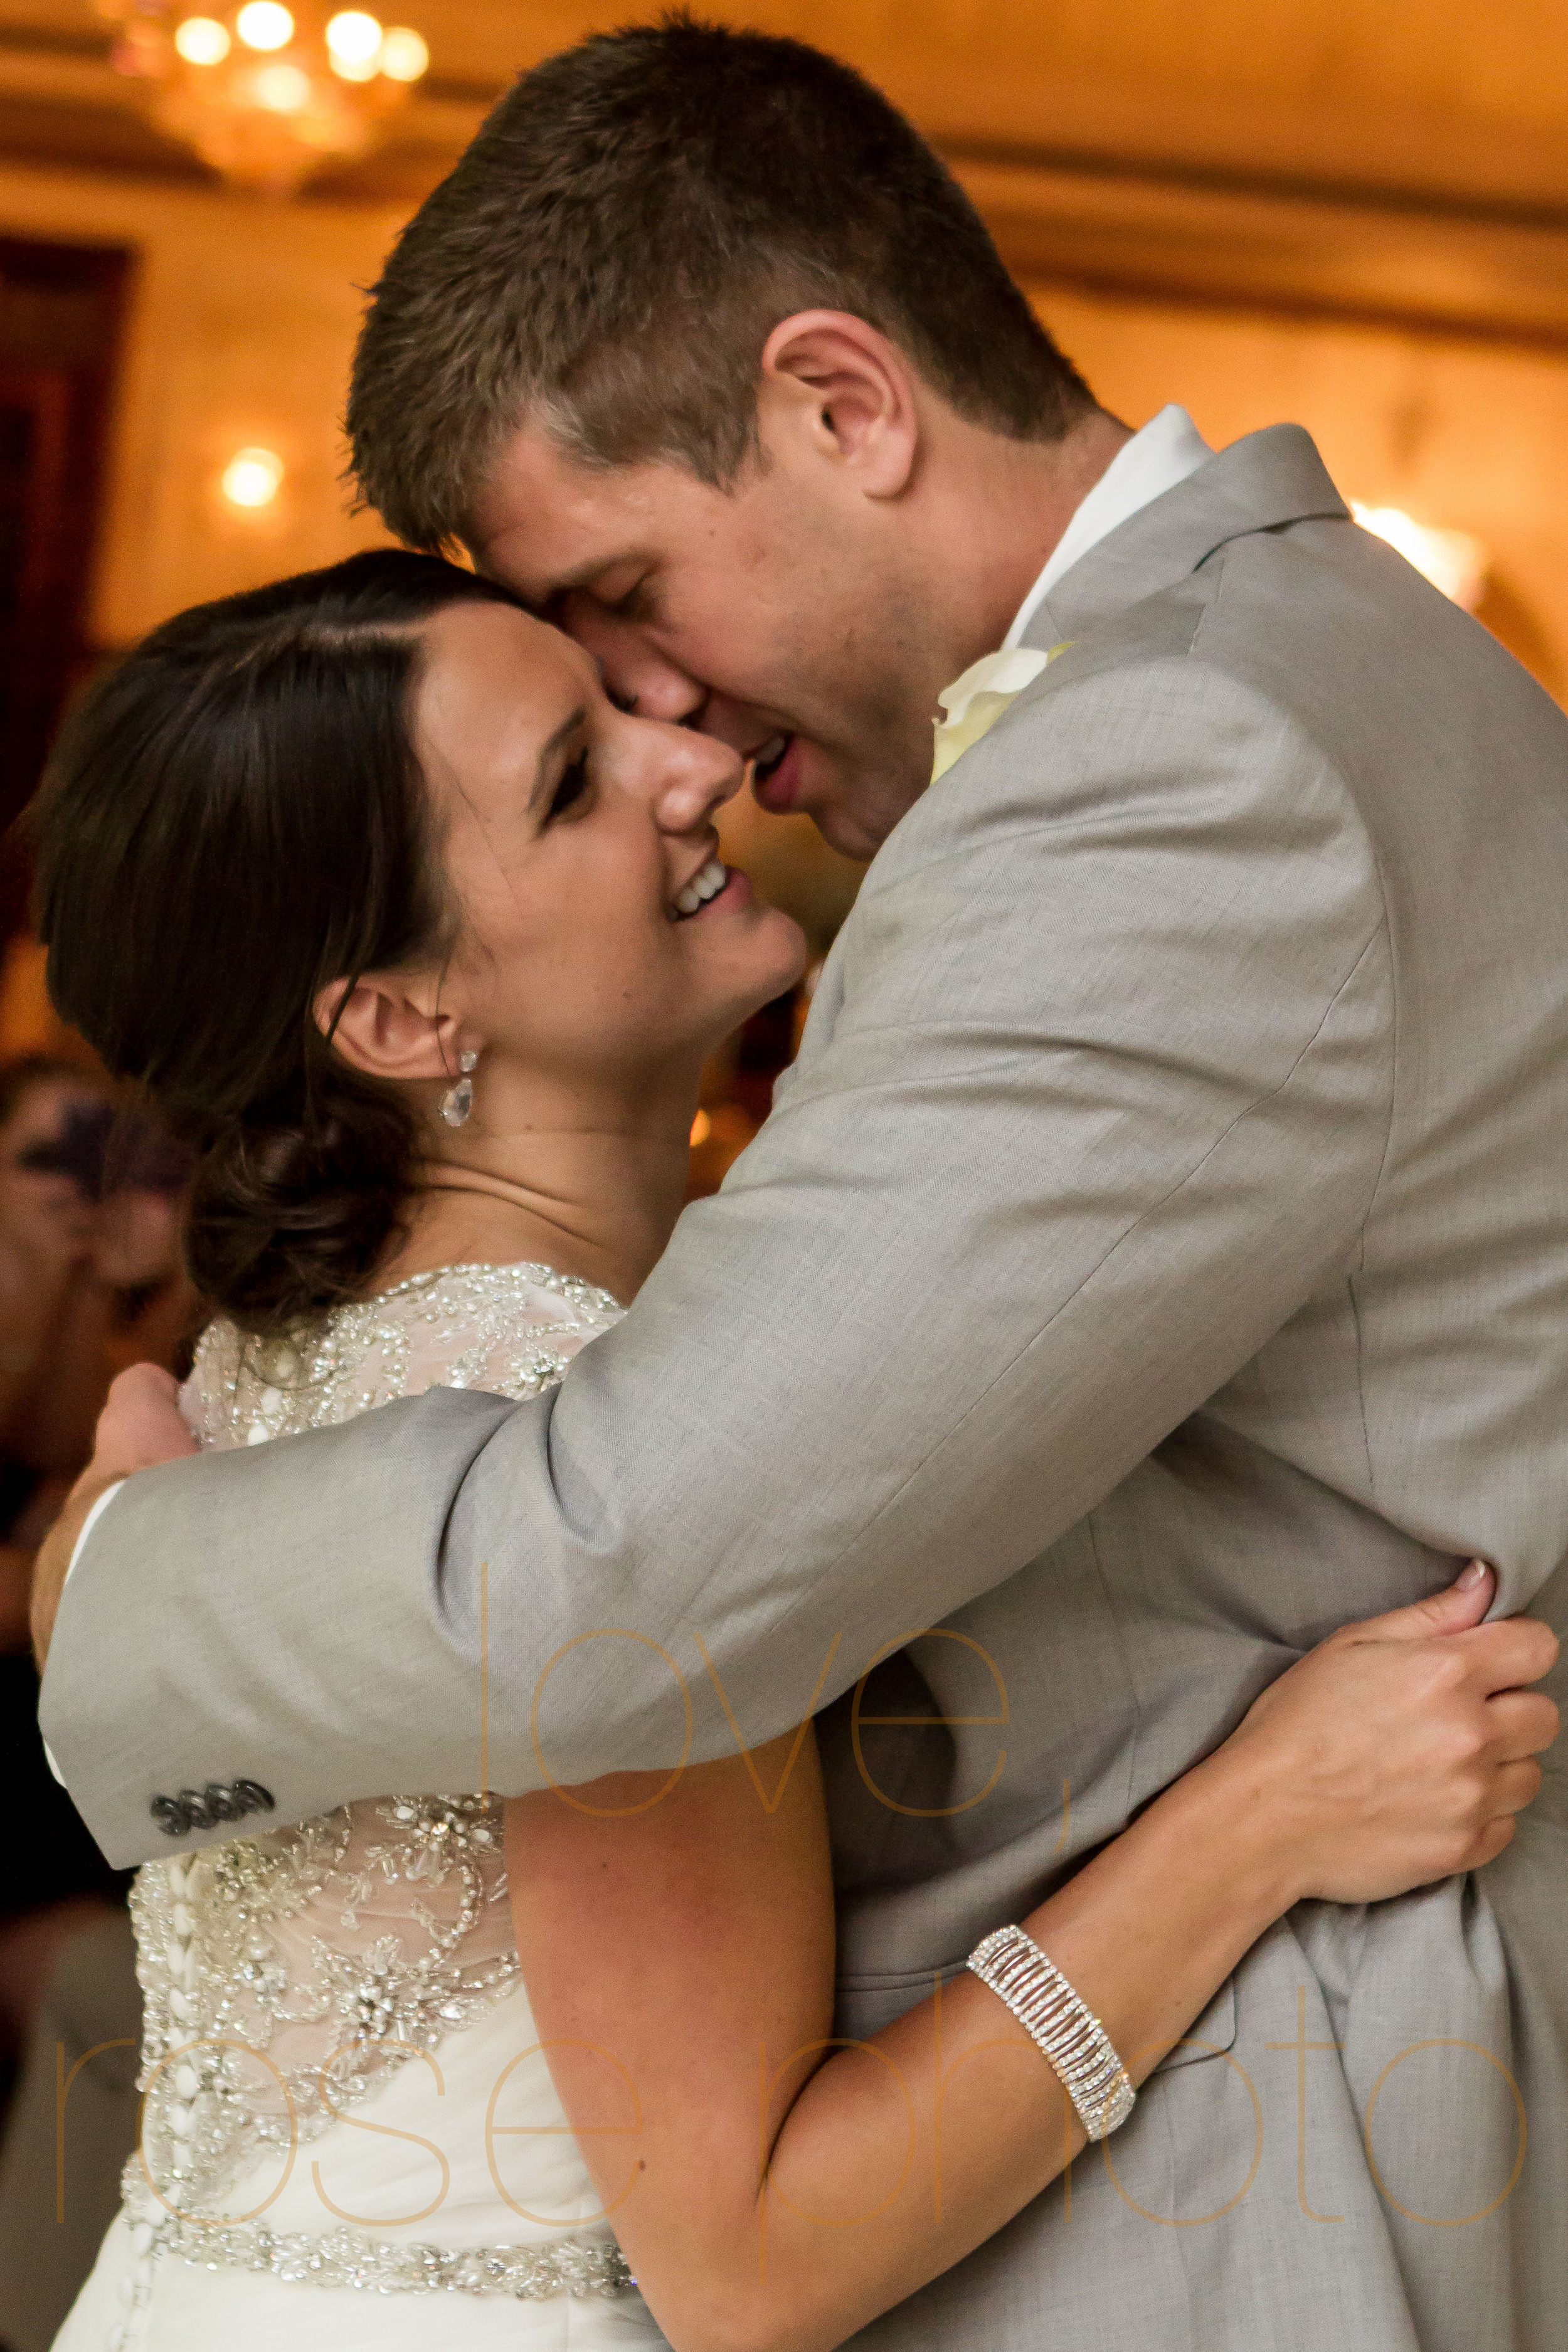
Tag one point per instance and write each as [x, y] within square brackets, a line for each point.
[548, 750]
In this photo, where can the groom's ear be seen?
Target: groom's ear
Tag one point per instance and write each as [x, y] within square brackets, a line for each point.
[379, 1025]
[834, 378]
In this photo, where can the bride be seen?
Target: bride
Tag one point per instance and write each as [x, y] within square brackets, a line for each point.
[422, 943]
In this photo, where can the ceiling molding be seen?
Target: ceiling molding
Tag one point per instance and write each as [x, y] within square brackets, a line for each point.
[1318, 254]
[1200, 177]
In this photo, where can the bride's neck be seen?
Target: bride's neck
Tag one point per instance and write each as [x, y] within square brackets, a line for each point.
[590, 1188]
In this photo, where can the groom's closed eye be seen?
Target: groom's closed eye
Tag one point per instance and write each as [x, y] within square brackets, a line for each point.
[633, 603]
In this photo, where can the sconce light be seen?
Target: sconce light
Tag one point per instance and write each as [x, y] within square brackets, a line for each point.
[252, 478]
[1451, 559]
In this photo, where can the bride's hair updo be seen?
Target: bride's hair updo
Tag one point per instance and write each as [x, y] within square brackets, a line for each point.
[233, 818]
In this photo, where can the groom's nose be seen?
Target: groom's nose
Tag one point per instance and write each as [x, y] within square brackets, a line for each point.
[635, 673]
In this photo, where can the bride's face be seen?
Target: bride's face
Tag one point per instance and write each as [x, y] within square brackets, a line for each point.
[595, 943]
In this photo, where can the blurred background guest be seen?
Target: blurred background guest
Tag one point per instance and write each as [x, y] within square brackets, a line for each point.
[52, 1310]
[90, 1279]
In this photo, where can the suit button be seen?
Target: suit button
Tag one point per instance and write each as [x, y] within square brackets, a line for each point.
[198, 1813]
[170, 1816]
[254, 1798]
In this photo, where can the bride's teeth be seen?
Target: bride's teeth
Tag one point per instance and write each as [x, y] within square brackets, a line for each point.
[770, 753]
[702, 886]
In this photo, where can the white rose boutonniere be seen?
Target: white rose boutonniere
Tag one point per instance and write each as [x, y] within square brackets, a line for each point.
[974, 703]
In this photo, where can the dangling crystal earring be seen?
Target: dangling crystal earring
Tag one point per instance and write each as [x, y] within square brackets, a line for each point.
[457, 1102]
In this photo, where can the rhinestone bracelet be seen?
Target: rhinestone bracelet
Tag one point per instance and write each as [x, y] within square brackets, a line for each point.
[1068, 2034]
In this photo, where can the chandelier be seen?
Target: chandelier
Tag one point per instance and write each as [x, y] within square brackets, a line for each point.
[267, 94]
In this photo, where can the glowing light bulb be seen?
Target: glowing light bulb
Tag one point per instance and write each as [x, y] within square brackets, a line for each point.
[353, 37]
[403, 56]
[202, 41]
[281, 90]
[1451, 559]
[252, 478]
[354, 45]
[264, 25]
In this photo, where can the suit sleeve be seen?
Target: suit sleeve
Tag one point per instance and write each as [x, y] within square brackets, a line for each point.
[1095, 1094]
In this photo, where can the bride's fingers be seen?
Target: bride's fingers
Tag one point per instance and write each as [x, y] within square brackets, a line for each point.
[1507, 1654]
[1523, 1723]
[1490, 1843]
[1514, 1786]
[1459, 1605]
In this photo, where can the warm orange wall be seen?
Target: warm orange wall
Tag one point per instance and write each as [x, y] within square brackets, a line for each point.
[241, 323]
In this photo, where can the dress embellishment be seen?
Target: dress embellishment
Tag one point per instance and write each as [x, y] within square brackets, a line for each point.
[462, 1327]
[573, 2267]
[288, 1973]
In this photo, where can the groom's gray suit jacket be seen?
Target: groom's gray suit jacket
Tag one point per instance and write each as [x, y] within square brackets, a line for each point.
[1158, 1256]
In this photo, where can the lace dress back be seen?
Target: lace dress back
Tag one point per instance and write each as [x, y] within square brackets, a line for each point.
[319, 1996]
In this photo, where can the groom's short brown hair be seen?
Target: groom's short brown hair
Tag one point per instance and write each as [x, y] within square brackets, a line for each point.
[612, 252]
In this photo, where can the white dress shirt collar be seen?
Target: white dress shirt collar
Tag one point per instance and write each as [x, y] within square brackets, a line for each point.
[1165, 452]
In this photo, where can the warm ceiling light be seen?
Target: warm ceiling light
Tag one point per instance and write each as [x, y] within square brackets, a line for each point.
[264, 25]
[403, 56]
[252, 478]
[282, 89]
[354, 45]
[353, 37]
[1451, 559]
[202, 41]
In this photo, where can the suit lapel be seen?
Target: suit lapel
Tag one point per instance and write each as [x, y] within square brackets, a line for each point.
[1267, 479]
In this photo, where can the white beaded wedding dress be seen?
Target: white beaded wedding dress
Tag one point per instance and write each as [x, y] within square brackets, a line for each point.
[350, 2137]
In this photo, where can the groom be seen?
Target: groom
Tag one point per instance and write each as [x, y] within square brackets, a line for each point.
[1155, 1257]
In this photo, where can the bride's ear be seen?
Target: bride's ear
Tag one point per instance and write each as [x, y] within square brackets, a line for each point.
[380, 1027]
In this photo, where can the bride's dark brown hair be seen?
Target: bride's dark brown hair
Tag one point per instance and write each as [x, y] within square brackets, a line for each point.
[233, 818]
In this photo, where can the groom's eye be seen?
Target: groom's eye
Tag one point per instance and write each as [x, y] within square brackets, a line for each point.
[573, 784]
[632, 606]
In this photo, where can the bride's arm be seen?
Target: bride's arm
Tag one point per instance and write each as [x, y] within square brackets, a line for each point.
[778, 2193]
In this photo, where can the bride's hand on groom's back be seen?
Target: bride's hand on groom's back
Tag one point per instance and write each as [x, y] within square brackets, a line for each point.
[1400, 1750]
[139, 1427]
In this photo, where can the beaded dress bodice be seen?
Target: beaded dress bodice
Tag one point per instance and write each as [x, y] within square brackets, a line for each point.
[289, 1975]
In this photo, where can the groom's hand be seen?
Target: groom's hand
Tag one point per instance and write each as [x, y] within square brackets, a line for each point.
[139, 1427]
